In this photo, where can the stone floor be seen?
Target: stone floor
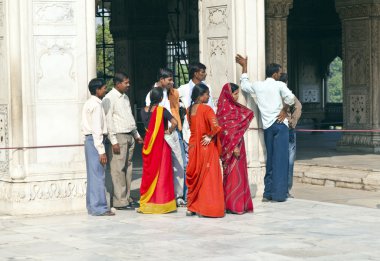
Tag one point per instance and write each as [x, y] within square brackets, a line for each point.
[295, 230]
[322, 223]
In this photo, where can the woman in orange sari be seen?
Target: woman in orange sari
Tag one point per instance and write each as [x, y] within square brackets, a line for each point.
[203, 174]
[157, 185]
[234, 119]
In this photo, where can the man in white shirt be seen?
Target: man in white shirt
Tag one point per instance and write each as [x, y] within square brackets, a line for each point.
[122, 133]
[271, 95]
[197, 74]
[94, 129]
[165, 81]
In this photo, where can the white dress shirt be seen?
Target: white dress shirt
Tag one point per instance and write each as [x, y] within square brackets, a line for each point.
[94, 122]
[270, 97]
[117, 108]
[185, 94]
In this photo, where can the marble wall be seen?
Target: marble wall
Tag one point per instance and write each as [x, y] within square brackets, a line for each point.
[50, 67]
[226, 28]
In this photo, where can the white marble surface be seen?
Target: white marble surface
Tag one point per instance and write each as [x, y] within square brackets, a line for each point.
[295, 230]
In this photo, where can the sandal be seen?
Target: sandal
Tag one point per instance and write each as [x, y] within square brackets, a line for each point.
[190, 213]
[180, 202]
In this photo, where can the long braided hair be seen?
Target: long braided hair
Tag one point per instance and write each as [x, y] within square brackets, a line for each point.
[156, 96]
[198, 90]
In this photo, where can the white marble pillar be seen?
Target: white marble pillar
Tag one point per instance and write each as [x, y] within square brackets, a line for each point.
[50, 57]
[228, 27]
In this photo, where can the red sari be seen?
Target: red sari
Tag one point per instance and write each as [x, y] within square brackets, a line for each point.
[234, 118]
[157, 186]
[203, 174]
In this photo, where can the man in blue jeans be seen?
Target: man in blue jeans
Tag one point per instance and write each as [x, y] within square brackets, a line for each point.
[294, 113]
[271, 96]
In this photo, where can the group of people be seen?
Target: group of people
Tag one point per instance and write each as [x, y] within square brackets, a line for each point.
[182, 155]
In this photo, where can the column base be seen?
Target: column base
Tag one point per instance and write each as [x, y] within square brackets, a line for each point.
[363, 142]
[42, 197]
[256, 181]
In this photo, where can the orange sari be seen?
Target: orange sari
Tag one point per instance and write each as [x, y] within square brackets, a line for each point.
[157, 186]
[203, 174]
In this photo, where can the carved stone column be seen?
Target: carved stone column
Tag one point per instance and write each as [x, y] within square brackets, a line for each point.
[139, 29]
[361, 73]
[50, 58]
[4, 97]
[276, 15]
[226, 28]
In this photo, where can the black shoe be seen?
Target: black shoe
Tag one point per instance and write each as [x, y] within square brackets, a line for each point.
[127, 207]
[135, 204]
[278, 201]
[266, 199]
[190, 213]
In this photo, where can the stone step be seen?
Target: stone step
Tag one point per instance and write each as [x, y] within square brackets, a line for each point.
[337, 176]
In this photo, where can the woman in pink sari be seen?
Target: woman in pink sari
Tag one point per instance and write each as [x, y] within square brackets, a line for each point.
[234, 118]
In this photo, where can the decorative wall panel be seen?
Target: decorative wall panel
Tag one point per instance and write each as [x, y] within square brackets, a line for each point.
[53, 13]
[51, 17]
[55, 68]
[218, 70]
[358, 105]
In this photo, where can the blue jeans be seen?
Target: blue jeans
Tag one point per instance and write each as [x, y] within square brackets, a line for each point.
[277, 166]
[184, 152]
[292, 157]
[96, 202]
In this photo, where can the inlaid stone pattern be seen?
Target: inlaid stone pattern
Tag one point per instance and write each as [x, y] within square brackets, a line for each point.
[4, 154]
[358, 109]
[310, 95]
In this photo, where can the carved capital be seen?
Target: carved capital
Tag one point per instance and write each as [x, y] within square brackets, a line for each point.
[278, 8]
[356, 10]
[355, 140]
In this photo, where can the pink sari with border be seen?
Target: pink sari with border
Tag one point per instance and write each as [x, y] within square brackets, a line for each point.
[234, 118]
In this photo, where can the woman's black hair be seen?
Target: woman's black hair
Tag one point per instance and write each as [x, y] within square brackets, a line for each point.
[234, 87]
[156, 96]
[198, 90]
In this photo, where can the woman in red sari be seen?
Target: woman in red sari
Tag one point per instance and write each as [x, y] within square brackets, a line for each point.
[157, 185]
[234, 118]
[203, 174]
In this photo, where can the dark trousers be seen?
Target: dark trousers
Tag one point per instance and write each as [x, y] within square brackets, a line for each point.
[277, 166]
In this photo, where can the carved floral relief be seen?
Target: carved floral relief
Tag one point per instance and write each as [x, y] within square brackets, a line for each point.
[357, 66]
[53, 13]
[218, 61]
[217, 15]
